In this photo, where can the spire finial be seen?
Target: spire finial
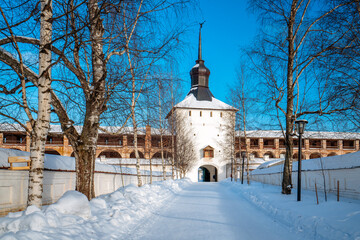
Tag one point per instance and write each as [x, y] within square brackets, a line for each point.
[199, 54]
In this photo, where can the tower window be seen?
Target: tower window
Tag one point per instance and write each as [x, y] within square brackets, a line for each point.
[220, 114]
[200, 113]
[210, 114]
[189, 113]
[208, 152]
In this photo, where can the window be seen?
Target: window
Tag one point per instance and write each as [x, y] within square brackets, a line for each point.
[208, 153]
[210, 114]
[189, 113]
[200, 113]
[221, 114]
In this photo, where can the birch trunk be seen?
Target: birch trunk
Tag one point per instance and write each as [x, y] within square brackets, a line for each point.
[245, 134]
[172, 125]
[133, 102]
[85, 147]
[161, 135]
[286, 182]
[150, 161]
[136, 151]
[41, 126]
[173, 156]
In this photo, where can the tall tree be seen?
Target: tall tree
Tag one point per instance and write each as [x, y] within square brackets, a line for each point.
[292, 43]
[92, 38]
[39, 127]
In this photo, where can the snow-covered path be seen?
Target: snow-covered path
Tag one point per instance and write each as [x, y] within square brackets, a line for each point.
[210, 211]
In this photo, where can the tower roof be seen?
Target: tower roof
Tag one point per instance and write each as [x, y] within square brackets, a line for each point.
[200, 77]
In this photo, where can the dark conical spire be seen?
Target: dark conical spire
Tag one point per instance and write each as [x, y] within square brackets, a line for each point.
[200, 76]
[199, 50]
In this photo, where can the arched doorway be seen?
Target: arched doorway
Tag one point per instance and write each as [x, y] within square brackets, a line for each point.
[51, 151]
[166, 154]
[110, 154]
[207, 173]
[132, 155]
[315, 155]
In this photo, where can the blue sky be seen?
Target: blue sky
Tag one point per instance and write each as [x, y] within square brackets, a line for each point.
[229, 26]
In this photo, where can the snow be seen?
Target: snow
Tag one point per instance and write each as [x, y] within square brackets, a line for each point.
[346, 161]
[72, 203]
[183, 210]
[109, 216]
[271, 163]
[56, 129]
[190, 101]
[57, 162]
[328, 220]
[306, 135]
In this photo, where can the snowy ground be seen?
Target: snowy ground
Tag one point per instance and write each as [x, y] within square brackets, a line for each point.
[184, 210]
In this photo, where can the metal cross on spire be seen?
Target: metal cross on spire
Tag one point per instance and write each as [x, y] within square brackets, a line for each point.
[199, 54]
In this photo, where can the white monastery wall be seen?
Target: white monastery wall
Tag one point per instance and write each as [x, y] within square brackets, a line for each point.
[348, 180]
[14, 185]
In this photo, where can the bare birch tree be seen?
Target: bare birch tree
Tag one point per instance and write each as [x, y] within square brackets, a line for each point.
[285, 57]
[39, 127]
[184, 148]
[87, 45]
[241, 99]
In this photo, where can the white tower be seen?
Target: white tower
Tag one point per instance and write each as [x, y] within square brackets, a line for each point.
[205, 128]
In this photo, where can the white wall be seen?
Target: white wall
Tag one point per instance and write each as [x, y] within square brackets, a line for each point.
[14, 185]
[349, 185]
[208, 131]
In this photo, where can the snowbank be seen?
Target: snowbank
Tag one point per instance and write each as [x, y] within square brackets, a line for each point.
[109, 216]
[328, 220]
[56, 162]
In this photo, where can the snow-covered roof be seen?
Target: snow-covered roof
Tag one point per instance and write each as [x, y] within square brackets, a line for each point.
[57, 162]
[7, 127]
[190, 101]
[307, 134]
[350, 160]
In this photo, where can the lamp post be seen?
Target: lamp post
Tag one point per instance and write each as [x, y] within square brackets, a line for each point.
[242, 168]
[231, 173]
[300, 127]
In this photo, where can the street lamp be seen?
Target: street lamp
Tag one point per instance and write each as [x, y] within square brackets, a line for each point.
[300, 127]
[243, 154]
[232, 165]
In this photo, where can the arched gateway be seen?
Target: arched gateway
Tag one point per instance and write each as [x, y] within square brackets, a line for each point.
[207, 173]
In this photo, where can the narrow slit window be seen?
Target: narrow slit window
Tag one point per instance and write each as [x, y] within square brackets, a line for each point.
[200, 113]
[221, 114]
[189, 113]
[210, 114]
